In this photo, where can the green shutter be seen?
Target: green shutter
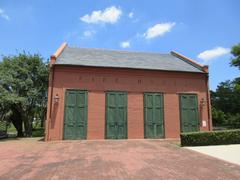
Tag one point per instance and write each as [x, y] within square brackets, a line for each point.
[189, 113]
[75, 121]
[116, 115]
[153, 115]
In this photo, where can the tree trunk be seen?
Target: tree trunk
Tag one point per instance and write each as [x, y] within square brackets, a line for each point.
[43, 116]
[16, 119]
[27, 121]
[28, 127]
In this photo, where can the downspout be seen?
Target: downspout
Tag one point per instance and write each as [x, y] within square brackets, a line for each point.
[209, 106]
[50, 85]
[205, 68]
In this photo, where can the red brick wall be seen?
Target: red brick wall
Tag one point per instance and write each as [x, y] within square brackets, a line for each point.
[171, 115]
[96, 115]
[135, 116]
[135, 82]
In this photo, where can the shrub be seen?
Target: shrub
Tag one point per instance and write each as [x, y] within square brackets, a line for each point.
[233, 120]
[210, 138]
[38, 132]
[218, 117]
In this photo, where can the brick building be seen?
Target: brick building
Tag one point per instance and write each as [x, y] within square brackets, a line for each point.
[108, 94]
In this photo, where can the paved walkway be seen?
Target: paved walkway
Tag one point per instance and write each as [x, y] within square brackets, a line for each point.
[229, 153]
[119, 159]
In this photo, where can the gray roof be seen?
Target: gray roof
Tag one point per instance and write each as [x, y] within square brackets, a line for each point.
[124, 59]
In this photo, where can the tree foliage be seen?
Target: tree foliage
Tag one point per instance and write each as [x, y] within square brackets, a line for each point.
[236, 53]
[23, 89]
[218, 116]
[226, 104]
[226, 99]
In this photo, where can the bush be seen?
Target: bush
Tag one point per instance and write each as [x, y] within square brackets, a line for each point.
[233, 120]
[218, 117]
[210, 138]
[38, 132]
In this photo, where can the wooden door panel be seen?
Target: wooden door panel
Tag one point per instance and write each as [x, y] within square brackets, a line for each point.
[153, 115]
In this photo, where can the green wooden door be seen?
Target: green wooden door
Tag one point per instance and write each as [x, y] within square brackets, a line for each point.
[116, 115]
[153, 115]
[189, 113]
[75, 115]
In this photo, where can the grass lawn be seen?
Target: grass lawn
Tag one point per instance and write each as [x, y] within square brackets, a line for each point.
[11, 129]
[37, 131]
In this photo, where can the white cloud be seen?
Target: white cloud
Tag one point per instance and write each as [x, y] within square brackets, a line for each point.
[108, 15]
[88, 33]
[130, 15]
[4, 15]
[213, 53]
[125, 44]
[158, 30]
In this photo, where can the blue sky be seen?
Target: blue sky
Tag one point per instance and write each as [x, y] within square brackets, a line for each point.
[202, 30]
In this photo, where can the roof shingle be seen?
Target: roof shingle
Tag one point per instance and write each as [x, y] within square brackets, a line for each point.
[124, 59]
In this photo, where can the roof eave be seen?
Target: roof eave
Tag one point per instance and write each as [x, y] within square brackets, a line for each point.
[59, 51]
[78, 65]
[203, 68]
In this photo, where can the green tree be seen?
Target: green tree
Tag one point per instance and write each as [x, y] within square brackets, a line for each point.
[226, 104]
[218, 117]
[227, 97]
[23, 89]
[233, 120]
[236, 53]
